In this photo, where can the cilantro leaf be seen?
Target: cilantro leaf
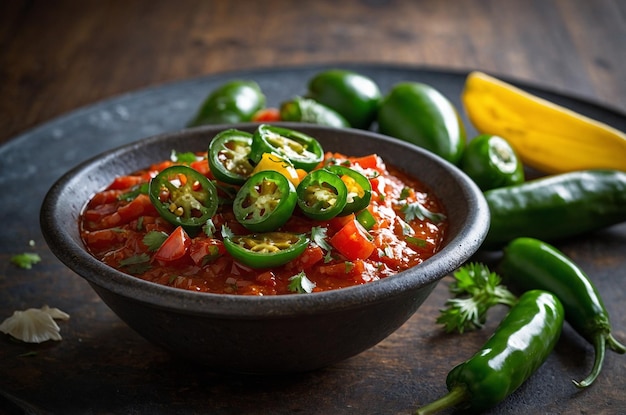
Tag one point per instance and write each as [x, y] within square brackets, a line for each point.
[416, 210]
[318, 235]
[185, 158]
[137, 264]
[139, 189]
[209, 228]
[25, 260]
[154, 239]
[226, 232]
[299, 283]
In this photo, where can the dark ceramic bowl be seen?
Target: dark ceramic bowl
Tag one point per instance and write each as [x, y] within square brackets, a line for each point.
[265, 334]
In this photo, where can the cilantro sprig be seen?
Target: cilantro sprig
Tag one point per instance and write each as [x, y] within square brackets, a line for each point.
[416, 210]
[25, 260]
[299, 283]
[476, 289]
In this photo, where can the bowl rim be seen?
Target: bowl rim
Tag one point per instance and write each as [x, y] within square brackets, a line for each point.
[79, 260]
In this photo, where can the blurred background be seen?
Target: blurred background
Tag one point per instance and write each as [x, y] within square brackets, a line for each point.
[59, 55]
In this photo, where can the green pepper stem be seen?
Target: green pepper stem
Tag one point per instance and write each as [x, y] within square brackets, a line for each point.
[457, 395]
[614, 345]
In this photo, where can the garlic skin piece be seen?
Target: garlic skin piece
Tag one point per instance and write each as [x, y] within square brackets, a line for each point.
[34, 325]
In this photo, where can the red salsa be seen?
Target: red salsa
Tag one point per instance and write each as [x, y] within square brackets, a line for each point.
[402, 225]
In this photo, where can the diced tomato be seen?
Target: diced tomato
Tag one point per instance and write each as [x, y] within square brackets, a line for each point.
[202, 166]
[125, 182]
[345, 270]
[311, 256]
[103, 239]
[139, 206]
[206, 250]
[338, 222]
[94, 216]
[371, 161]
[266, 115]
[104, 197]
[174, 247]
[161, 166]
[267, 278]
[352, 241]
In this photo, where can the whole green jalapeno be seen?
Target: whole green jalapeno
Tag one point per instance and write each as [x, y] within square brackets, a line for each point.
[556, 207]
[310, 111]
[529, 263]
[351, 94]
[491, 162]
[232, 102]
[517, 348]
[421, 115]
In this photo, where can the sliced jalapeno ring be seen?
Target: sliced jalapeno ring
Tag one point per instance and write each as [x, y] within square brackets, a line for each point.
[304, 151]
[322, 195]
[265, 201]
[359, 188]
[183, 196]
[266, 250]
[229, 153]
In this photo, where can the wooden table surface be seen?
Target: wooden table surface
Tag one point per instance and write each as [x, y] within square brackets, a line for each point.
[58, 56]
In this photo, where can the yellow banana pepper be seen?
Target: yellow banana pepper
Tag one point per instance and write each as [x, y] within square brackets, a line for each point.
[546, 136]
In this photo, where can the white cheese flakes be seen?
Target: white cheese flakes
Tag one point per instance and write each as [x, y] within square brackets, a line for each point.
[34, 325]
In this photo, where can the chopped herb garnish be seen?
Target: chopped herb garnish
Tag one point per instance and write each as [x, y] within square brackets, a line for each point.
[318, 235]
[154, 239]
[420, 243]
[407, 230]
[214, 253]
[349, 266]
[25, 260]
[226, 232]
[416, 210]
[209, 228]
[136, 264]
[185, 158]
[405, 193]
[139, 189]
[140, 223]
[299, 283]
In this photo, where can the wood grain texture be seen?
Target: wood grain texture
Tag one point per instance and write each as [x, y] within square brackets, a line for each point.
[58, 56]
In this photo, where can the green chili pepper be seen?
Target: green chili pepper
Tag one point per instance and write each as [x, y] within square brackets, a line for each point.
[491, 162]
[421, 115]
[518, 347]
[304, 151]
[310, 111]
[233, 102]
[322, 195]
[556, 206]
[532, 264]
[265, 201]
[266, 250]
[358, 186]
[353, 95]
[228, 154]
[184, 197]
